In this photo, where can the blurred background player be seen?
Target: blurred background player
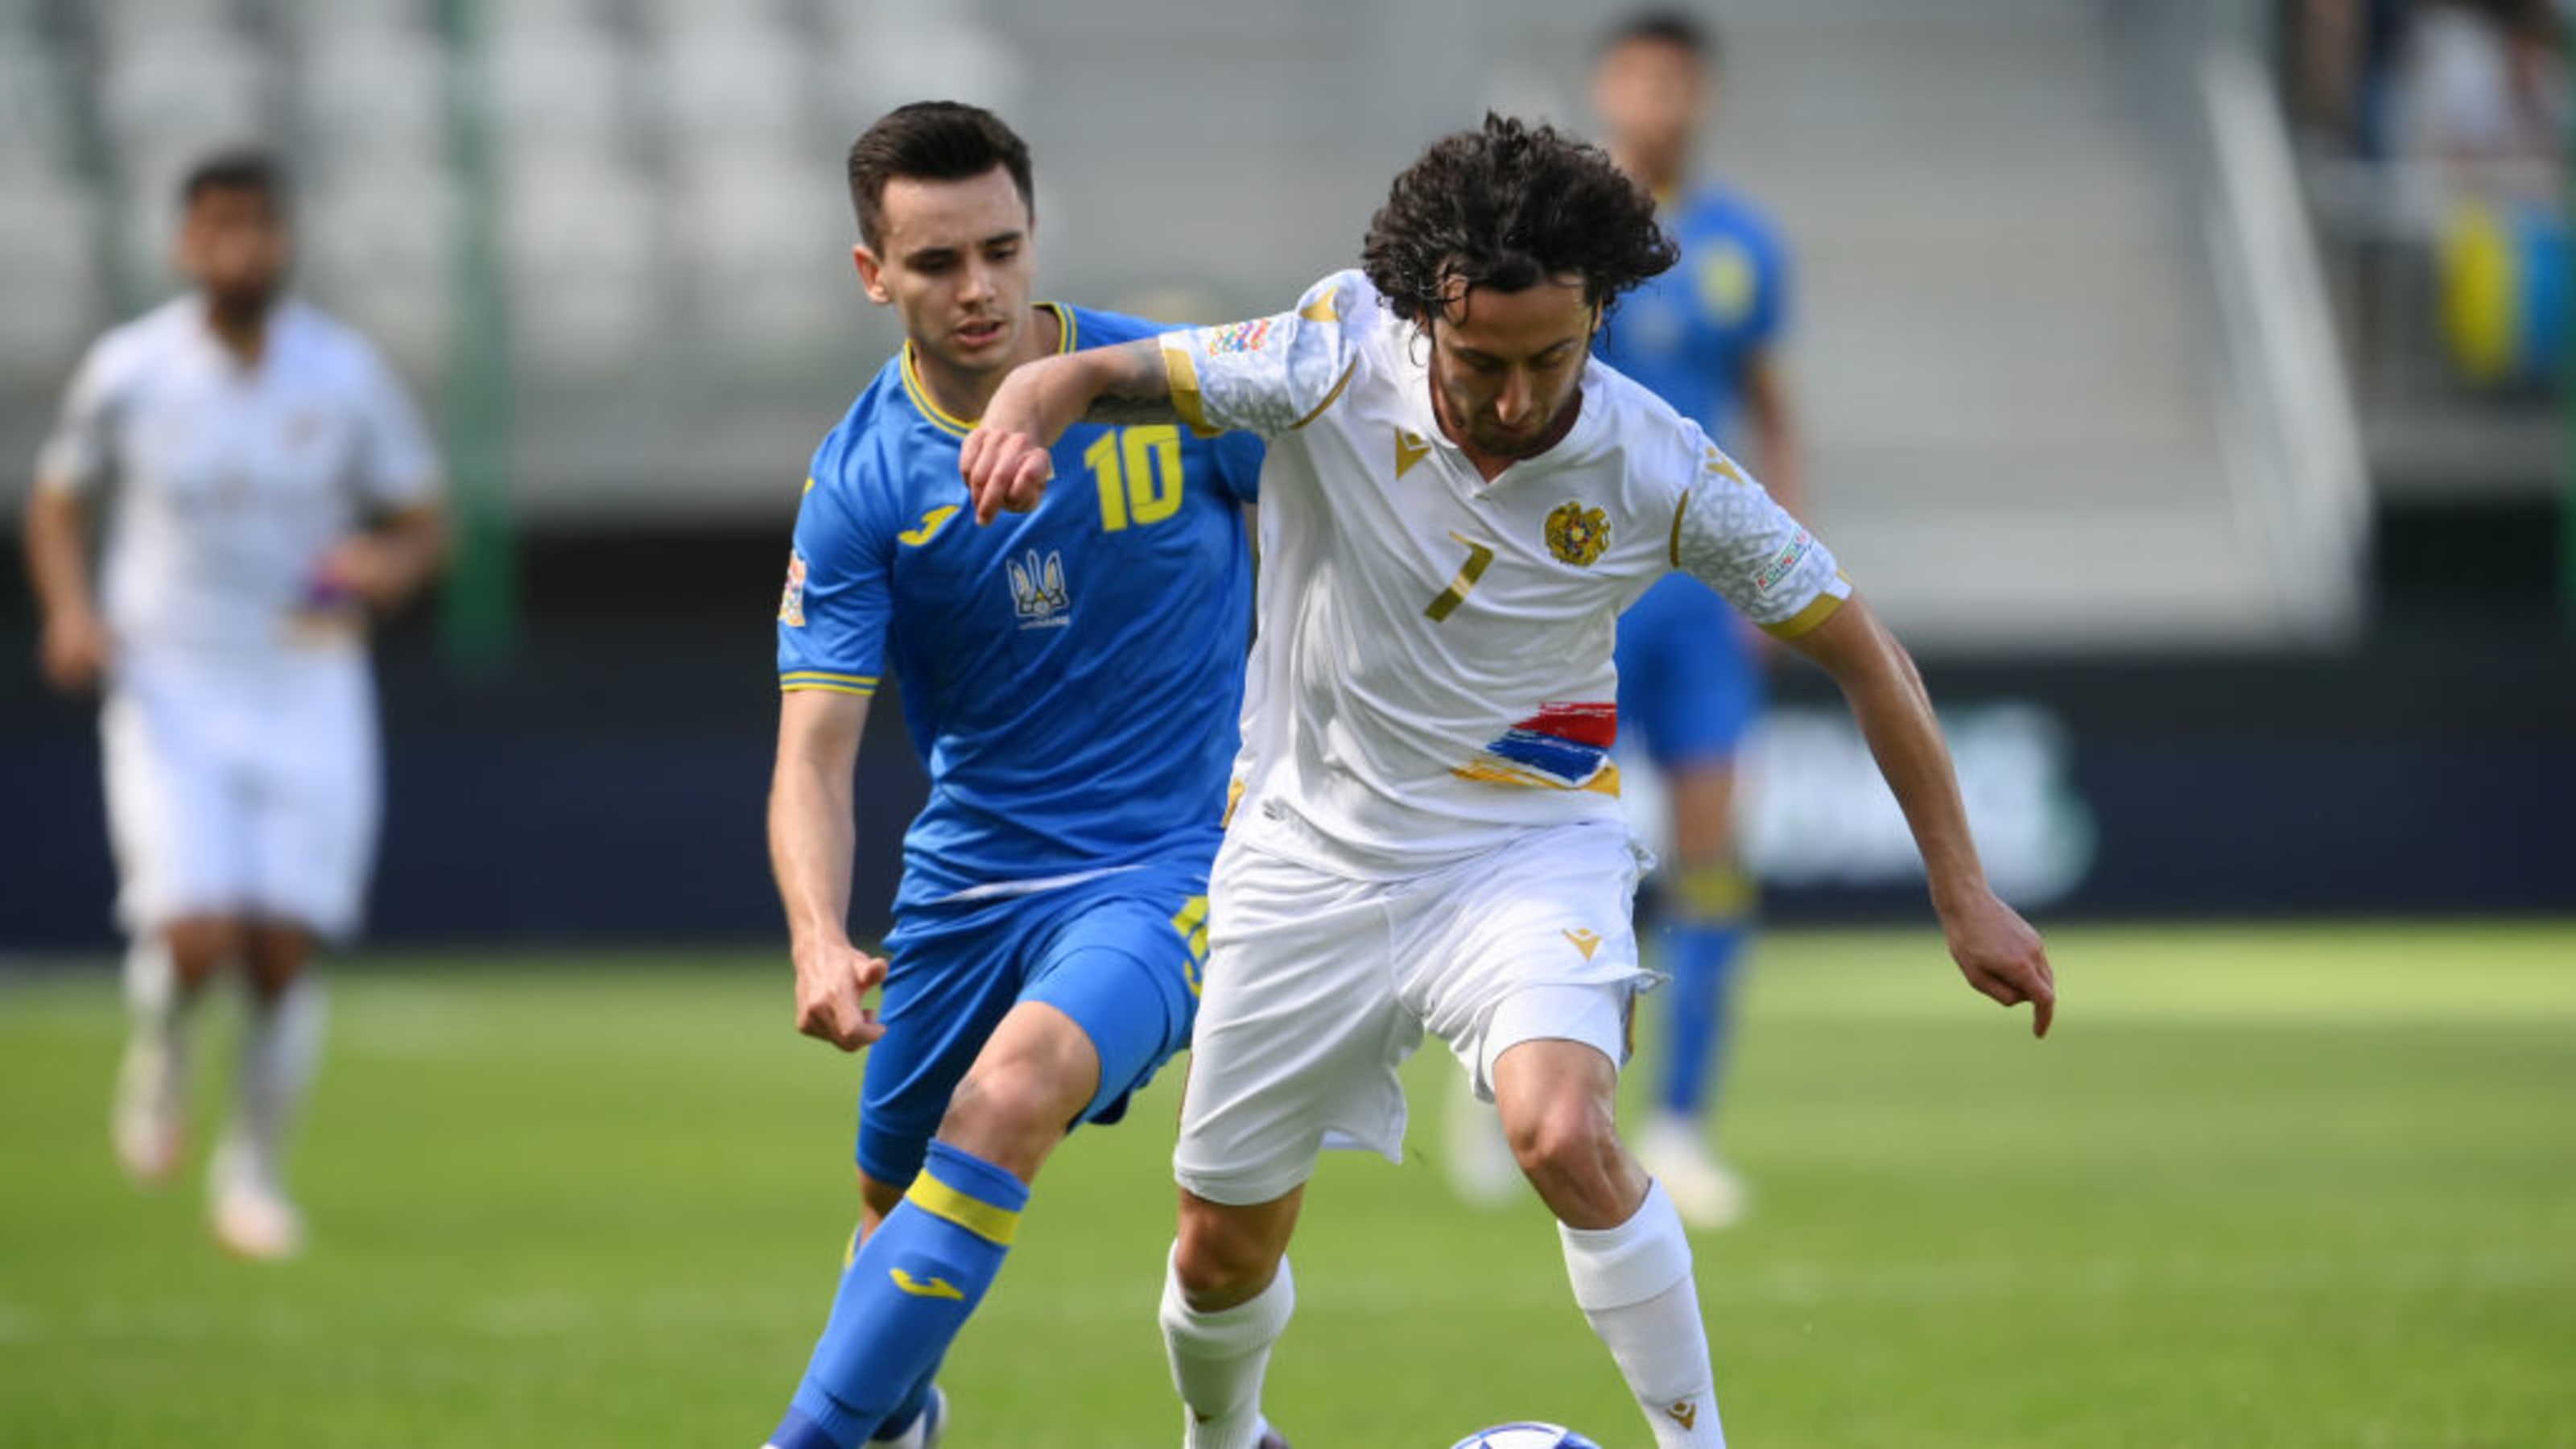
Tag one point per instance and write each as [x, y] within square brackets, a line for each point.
[1704, 336]
[250, 439]
[1070, 678]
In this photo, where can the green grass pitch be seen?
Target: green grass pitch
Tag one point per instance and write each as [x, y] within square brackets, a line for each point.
[2265, 1186]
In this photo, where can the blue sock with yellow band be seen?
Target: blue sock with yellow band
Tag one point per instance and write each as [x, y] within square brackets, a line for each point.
[1712, 910]
[903, 1299]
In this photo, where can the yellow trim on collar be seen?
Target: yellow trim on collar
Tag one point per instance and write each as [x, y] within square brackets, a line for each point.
[1068, 327]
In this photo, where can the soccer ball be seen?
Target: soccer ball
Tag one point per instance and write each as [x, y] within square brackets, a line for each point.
[1525, 1436]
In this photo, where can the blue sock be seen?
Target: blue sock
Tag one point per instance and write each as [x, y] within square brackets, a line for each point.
[901, 1416]
[1713, 908]
[903, 1299]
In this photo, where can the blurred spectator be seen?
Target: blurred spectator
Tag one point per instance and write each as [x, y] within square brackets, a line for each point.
[2483, 117]
[2484, 94]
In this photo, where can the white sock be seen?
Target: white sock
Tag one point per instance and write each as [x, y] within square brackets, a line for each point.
[1634, 1283]
[152, 1080]
[280, 1044]
[153, 1000]
[1218, 1358]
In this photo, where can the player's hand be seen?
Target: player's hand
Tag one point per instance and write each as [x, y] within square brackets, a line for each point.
[832, 986]
[1005, 468]
[76, 650]
[2002, 956]
[362, 567]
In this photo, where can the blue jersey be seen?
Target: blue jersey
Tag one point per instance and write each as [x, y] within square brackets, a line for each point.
[1070, 676]
[1688, 685]
[1689, 334]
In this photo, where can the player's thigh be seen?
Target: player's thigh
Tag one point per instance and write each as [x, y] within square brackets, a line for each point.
[949, 982]
[1689, 684]
[178, 819]
[319, 797]
[1123, 963]
[1300, 1035]
[1533, 941]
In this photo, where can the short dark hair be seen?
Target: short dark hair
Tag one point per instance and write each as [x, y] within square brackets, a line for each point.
[1508, 207]
[1679, 29]
[236, 170]
[932, 141]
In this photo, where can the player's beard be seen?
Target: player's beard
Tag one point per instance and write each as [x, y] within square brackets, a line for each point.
[1486, 434]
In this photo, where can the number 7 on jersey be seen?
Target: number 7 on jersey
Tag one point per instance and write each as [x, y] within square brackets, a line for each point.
[1478, 556]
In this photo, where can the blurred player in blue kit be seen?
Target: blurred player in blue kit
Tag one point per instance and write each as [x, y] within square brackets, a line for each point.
[1705, 338]
[1070, 677]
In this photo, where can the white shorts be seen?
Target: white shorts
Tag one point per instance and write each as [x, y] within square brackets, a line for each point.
[242, 786]
[1318, 987]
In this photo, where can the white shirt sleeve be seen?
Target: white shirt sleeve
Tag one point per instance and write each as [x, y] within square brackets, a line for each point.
[1269, 375]
[397, 467]
[1729, 534]
[79, 451]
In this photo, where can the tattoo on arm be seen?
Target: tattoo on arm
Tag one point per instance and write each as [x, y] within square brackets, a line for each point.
[1134, 387]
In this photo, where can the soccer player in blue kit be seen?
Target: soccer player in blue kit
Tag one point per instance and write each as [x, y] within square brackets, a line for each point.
[1071, 678]
[1703, 337]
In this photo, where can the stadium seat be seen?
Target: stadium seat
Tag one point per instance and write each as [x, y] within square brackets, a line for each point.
[379, 246]
[374, 91]
[747, 84]
[549, 84]
[45, 232]
[582, 259]
[764, 241]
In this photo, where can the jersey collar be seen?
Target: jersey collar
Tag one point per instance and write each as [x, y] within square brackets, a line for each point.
[1421, 416]
[947, 422]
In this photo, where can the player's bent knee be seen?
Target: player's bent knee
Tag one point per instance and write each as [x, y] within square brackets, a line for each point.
[278, 954]
[1012, 1117]
[1221, 1259]
[1568, 1139]
[200, 945]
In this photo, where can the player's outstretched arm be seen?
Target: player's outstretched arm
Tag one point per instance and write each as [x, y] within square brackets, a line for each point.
[75, 648]
[811, 836]
[1005, 459]
[1995, 948]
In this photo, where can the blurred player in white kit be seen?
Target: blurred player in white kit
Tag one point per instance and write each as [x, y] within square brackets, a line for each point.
[272, 489]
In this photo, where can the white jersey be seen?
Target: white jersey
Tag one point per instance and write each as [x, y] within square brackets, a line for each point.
[232, 483]
[1433, 668]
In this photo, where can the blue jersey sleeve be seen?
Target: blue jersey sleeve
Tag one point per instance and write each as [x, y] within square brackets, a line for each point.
[839, 598]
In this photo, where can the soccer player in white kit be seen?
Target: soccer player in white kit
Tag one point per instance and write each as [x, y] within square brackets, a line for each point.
[272, 486]
[1457, 503]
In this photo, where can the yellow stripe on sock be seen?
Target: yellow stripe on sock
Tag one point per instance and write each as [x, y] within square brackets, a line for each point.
[1717, 895]
[995, 1225]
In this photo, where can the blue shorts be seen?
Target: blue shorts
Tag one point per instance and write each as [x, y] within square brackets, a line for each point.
[1689, 680]
[1120, 955]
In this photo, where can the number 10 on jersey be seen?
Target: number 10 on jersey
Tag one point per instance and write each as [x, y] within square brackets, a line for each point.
[1138, 471]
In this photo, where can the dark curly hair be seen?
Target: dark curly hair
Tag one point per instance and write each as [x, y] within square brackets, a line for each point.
[1507, 207]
